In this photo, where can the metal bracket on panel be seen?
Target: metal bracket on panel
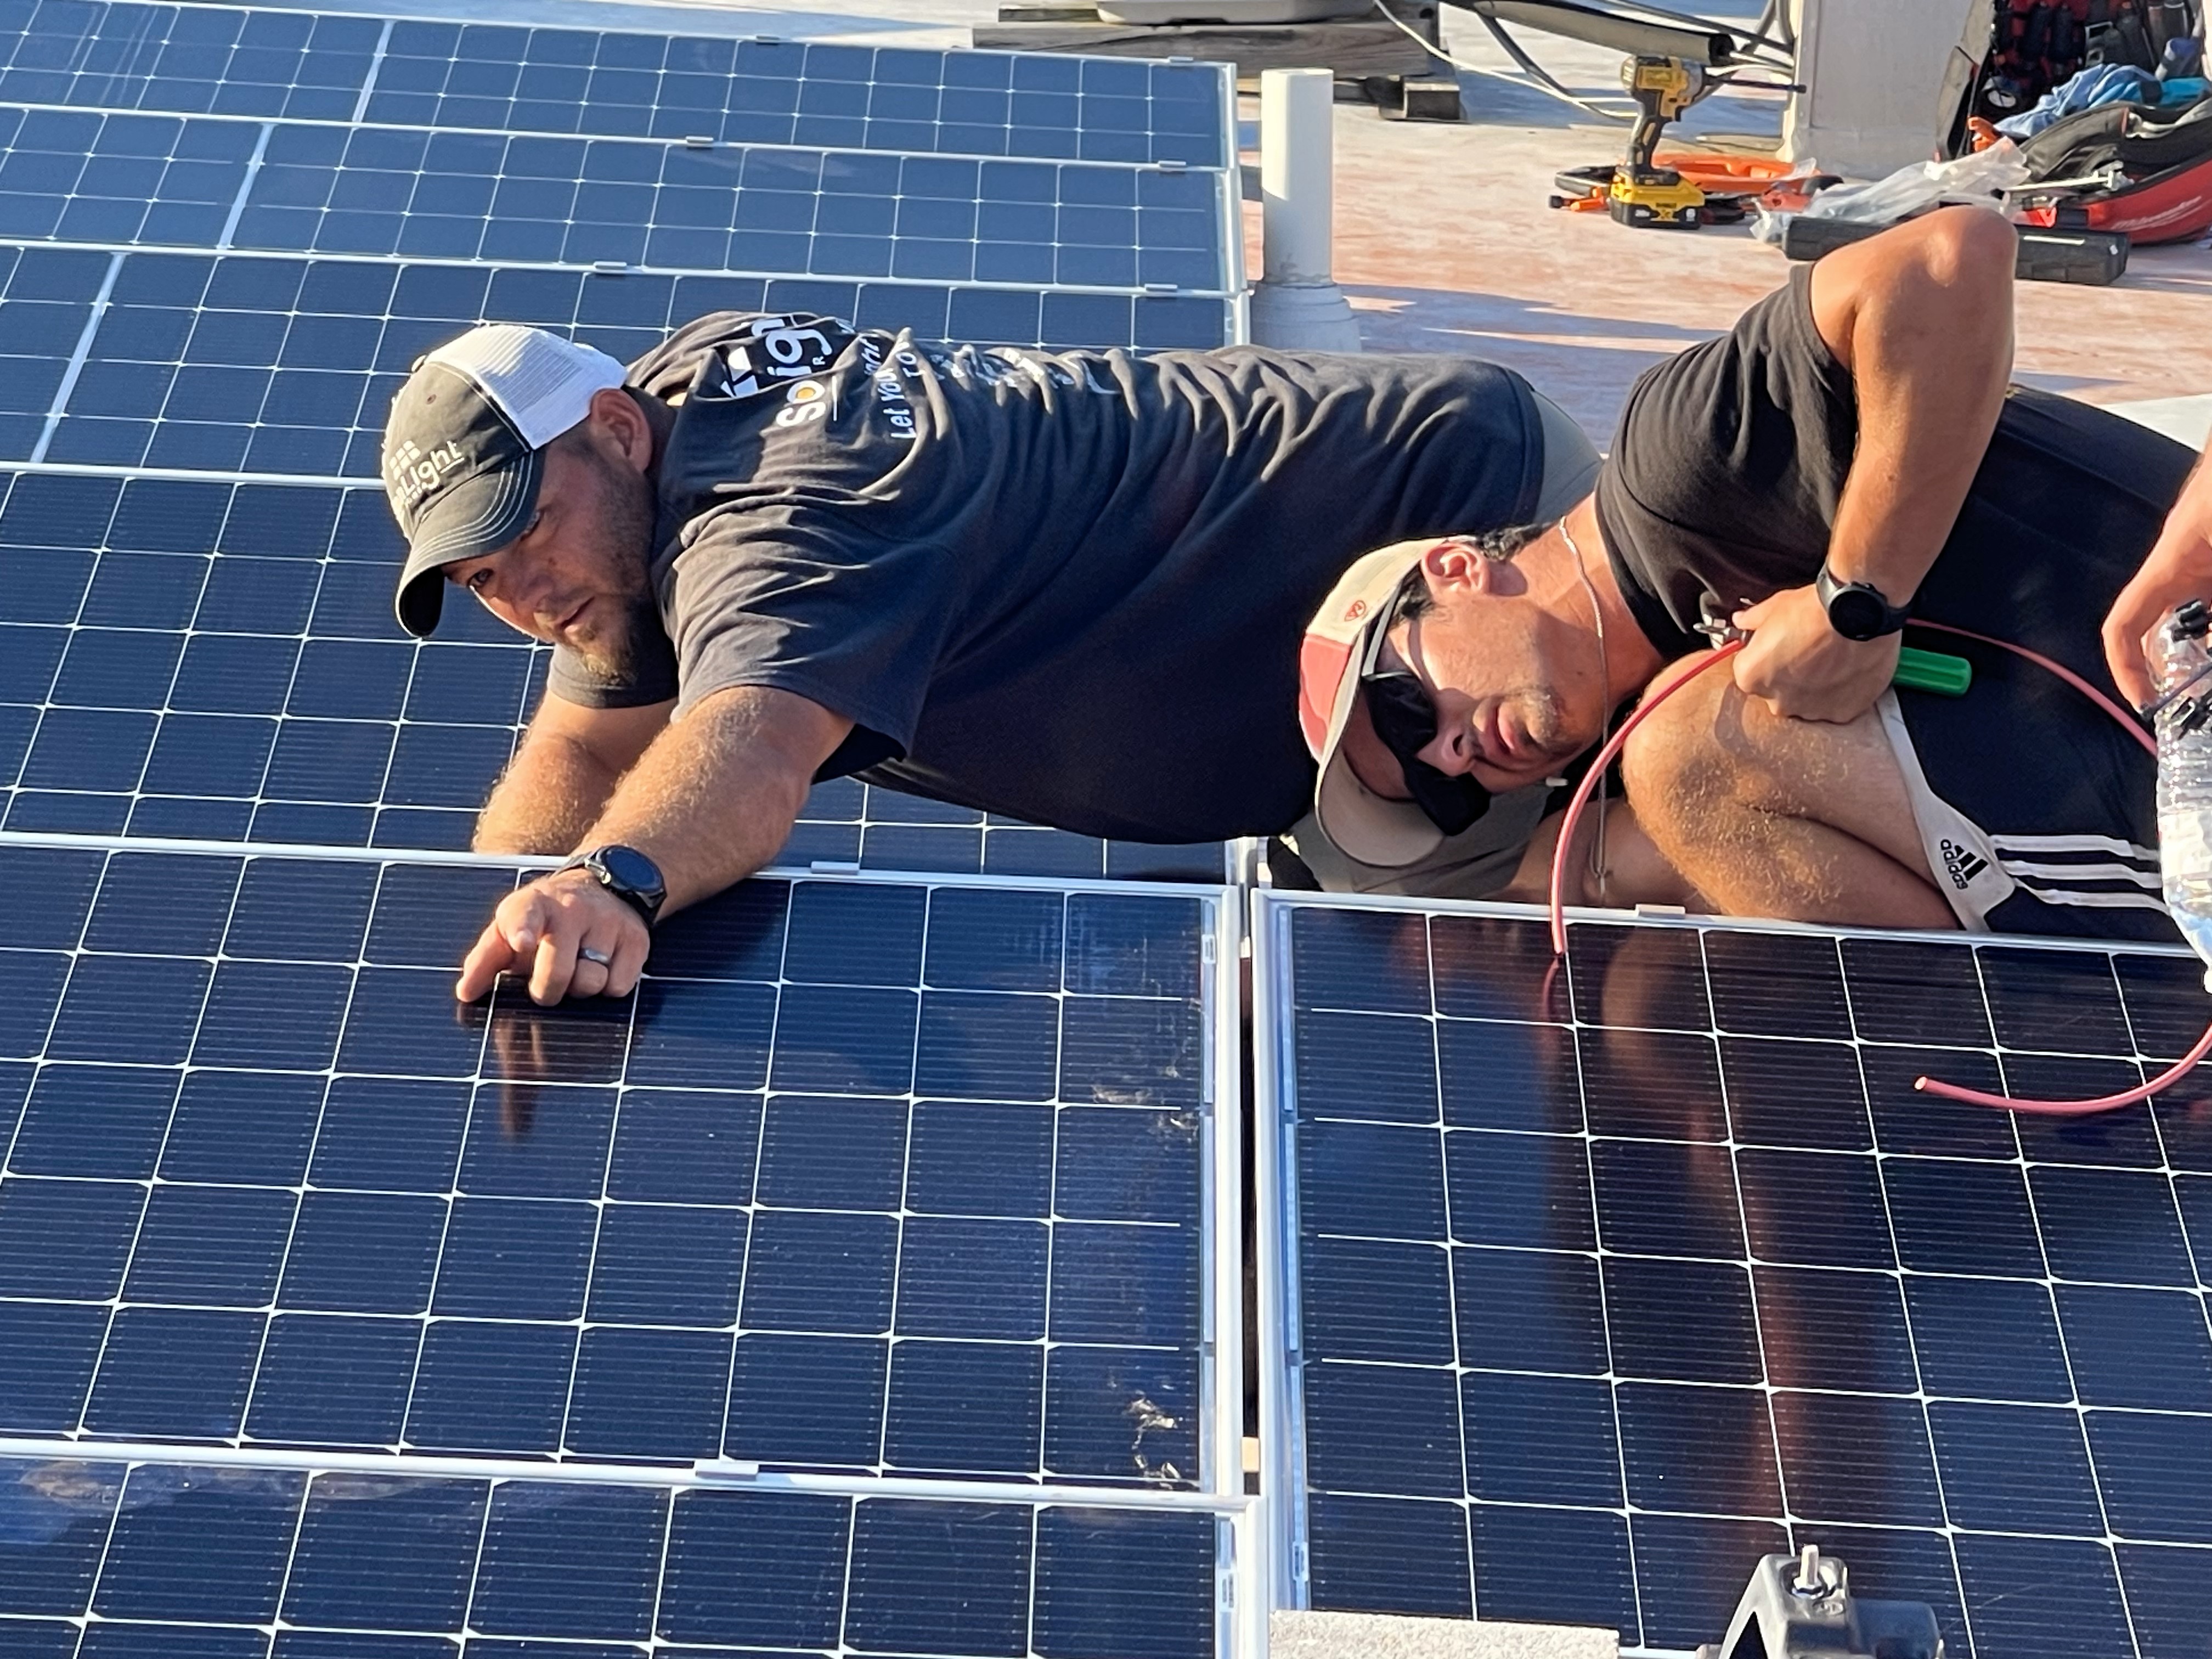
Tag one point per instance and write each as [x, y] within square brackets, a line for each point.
[610, 268]
[836, 866]
[1803, 1604]
[1159, 288]
[698, 141]
[729, 1469]
[1171, 167]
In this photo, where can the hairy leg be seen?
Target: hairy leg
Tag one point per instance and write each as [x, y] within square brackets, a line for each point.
[1802, 820]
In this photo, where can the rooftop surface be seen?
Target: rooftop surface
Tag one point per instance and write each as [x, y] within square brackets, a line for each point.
[1444, 241]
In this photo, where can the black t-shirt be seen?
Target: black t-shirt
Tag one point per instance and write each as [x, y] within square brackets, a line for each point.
[1067, 587]
[1730, 459]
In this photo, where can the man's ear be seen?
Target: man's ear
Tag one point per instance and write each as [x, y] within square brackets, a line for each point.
[617, 419]
[1454, 566]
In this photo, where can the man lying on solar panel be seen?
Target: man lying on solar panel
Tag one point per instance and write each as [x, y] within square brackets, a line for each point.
[1067, 586]
[1846, 462]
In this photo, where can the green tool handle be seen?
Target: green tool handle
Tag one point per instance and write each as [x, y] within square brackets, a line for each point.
[1932, 670]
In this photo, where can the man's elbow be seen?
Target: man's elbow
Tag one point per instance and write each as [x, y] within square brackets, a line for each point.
[1969, 252]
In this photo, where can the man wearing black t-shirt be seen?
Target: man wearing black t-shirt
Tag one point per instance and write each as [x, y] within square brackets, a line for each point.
[1068, 587]
[1848, 455]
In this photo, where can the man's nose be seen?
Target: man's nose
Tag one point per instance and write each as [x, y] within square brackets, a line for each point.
[1449, 752]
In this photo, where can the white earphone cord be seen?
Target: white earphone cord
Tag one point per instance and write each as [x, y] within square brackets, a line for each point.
[1597, 863]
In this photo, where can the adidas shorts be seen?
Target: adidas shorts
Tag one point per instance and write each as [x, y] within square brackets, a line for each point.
[2036, 812]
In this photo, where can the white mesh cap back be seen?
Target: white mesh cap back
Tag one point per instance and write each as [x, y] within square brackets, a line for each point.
[541, 382]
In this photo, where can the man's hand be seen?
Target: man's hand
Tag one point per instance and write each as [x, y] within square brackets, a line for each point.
[2178, 570]
[543, 927]
[1801, 668]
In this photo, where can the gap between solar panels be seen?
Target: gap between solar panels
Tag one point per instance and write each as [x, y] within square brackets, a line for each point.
[1592, 1285]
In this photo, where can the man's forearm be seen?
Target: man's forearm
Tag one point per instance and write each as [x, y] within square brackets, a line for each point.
[550, 793]
[714, 796]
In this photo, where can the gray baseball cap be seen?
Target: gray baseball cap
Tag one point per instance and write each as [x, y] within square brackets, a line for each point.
[464, 447]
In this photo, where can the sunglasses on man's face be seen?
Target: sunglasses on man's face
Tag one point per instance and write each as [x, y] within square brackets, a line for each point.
[1405, 717]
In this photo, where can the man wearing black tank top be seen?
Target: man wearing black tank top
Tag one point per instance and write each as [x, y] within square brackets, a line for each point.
[1846, 467]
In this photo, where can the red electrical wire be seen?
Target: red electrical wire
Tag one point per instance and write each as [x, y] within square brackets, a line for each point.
[1605, 756]
[2127, 721]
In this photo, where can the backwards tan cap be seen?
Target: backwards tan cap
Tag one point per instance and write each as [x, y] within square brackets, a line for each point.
[1340, 648]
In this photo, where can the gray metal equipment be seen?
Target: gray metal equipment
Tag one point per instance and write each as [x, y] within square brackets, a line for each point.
[1797, 1606]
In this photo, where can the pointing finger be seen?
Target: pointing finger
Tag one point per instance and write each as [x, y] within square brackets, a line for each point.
[487, 959]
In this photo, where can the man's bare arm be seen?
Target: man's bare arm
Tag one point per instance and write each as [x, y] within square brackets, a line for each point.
[563, 773]
[1922, 317]
[711, 800]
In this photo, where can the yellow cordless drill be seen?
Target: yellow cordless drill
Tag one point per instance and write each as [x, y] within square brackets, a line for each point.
[1643, 193]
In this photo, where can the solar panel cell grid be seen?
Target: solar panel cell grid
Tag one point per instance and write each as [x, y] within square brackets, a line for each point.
[82, 176]
[173, 1558]
[923, 218]
[1605, 1283]
[748, 1216]
[198, 660]
[245, 364]
[293, 65]
[781, 92]
[192, 60]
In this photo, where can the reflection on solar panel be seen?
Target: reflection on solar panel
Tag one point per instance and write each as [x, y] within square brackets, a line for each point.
[1601, 1285]
[198, 60]
[870, 1174]
[178, 1558]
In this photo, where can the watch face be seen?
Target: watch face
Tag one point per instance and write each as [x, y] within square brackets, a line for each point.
[632, 869]
[1854, 614]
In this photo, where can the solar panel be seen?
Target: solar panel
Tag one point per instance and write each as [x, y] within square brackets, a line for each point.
[241, 364]
[105, 1557]
[198, 660]
[300, 66]
[870, 1174]
[1594, 1286]
[80, 176]
[187, 59]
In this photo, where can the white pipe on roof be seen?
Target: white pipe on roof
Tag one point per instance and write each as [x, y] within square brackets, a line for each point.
[1297, 305]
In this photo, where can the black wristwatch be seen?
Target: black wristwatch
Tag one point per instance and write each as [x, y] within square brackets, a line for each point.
[628, 875]
[1858, 611]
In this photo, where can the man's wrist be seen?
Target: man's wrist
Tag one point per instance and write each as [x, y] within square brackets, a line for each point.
[1859, 610]
[626, 874]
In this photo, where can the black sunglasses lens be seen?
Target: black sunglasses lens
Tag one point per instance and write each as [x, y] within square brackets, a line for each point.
[1406, 720]
[1404, 717]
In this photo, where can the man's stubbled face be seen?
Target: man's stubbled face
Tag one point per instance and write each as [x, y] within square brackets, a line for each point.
[580, 575]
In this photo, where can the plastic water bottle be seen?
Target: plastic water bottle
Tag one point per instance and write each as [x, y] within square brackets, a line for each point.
[2185, 775]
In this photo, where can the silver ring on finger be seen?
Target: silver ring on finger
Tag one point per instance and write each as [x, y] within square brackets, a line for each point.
[602, 958]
